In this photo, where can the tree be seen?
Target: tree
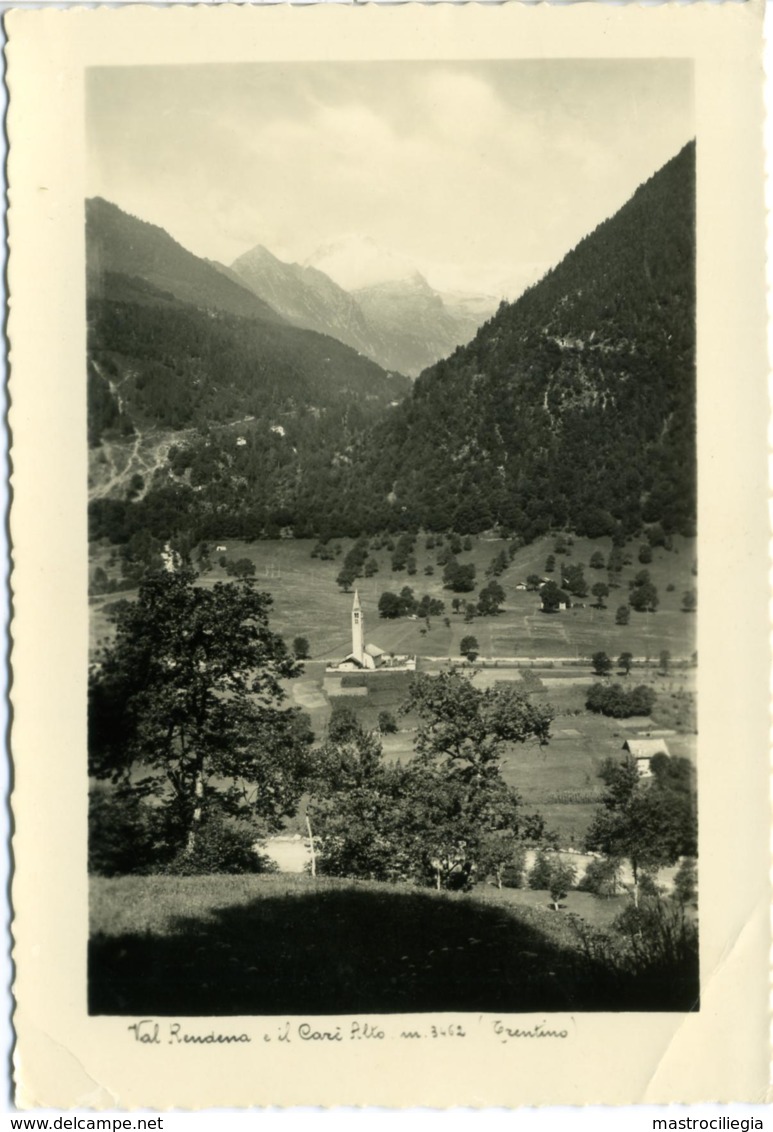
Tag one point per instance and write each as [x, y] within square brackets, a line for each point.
[623, 615]
[562, 876]
[624, 662]
[602, 665]
[552, 873]
[387, 724]
[498, 565]
[186, 707]
[343, 724]
[644, 597]
[468, 727]
[597, 560]
[468, 645]
[503, 857]
[690, 601]
[615, 701]
[301, 648]
[651, 823]
[243, 568]
[490, 599]
[431, 821]
[600, 590]
[462, 735]
[665, 661]
[346, 577]
[389, 606]
[645, 554]
[459, 578]
[602, 877]
[615, 561]
[686, 881]
[552, 597]
[550, 564]
[573, 579]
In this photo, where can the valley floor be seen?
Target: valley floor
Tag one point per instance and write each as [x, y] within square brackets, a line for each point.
[546, 655]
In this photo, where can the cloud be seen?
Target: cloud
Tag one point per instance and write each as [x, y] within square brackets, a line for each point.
[490, 167]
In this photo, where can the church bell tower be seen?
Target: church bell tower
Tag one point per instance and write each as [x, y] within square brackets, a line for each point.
[358, 630]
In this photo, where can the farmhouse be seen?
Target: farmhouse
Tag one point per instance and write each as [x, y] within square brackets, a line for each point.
[642, 751]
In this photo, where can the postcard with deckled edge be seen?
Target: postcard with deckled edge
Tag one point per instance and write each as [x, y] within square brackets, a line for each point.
[354, 355]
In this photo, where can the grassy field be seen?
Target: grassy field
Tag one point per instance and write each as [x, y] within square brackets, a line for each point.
[307, 601]
[292, 945]
[559, 780]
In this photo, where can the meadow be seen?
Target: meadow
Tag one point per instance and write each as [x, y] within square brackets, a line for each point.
[307, 601]
[292, 945]
[552, 651]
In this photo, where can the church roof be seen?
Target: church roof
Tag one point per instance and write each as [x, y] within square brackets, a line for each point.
[374, 650]
[356, 603]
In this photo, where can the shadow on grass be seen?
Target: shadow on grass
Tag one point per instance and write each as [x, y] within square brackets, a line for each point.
[358, 951]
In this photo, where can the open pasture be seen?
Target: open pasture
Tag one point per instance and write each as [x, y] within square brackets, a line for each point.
[559, 780]
[308, 603]
[230, 945]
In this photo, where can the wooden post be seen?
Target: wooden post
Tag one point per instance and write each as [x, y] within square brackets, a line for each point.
[311, 847]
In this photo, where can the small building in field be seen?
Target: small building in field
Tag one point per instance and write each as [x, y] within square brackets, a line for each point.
[643, 751]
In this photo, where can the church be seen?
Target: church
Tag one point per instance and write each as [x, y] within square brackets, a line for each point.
[362, 655]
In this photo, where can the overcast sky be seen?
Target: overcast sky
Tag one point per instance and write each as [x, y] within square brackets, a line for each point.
[481, 174]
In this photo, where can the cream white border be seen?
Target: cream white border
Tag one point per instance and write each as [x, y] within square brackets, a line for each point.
[64, 1058]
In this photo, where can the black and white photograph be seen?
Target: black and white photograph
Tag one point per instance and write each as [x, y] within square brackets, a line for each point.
[389, 676]
[393, 577]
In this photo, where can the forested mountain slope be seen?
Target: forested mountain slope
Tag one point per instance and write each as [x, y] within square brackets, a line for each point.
[119, 243]
[307, 297]
[252, 394]
[575, 405]
[572, 407]
[399, 322]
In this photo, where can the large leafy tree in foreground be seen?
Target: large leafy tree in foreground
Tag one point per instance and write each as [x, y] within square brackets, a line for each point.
[651, 821]
[446, 815]
[185, 707]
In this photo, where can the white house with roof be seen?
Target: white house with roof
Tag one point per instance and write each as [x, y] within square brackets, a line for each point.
[643, 751]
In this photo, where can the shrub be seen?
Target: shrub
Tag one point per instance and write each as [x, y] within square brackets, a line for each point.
[686, 881]
[615, 701]
[539, 876]
[562, 876]
[468, 645]
[223, 845]
[301, 648]
[387, 724]
[602, 877]
[514, 873]
[123, 832]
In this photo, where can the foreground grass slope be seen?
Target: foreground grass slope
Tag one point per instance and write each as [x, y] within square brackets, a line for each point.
[292, 945]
